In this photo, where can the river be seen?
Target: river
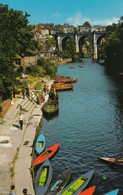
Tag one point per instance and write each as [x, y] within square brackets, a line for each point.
[89, 124]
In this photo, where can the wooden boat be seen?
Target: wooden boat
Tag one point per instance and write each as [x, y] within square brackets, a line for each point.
[75, 187]
[121, 73]
[62, 80]
[89, 191]
[114, 192]
[40, 144]
[65, 79]
[112, 160]
[50, 107]
[62, 86]
[60, 182]
[46, 154]
[43, 177]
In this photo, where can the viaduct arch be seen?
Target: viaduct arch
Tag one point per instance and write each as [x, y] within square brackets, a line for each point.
[95, 37]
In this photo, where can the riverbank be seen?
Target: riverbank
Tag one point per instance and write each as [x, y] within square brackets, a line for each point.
[16, 145]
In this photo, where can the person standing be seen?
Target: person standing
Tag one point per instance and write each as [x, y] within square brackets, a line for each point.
[21, 121]
[23, 93]
[12, 192]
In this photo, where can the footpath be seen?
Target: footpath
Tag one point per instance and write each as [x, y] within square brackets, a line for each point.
[16, 145]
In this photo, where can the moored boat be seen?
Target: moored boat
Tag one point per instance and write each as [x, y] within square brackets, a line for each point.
[114, 192]
[59, 183]
[50, 107]
[46, 154]
[75, 187]
[88, 191]
[43, 178]
[112, 160]
[62, 86]
[40, 144]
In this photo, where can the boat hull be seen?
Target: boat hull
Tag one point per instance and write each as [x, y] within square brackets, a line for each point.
[114, 192]
[110, 160]
[50, 107]
[43, 178]
[89, 191]
[59, 183]
[46, 154]
[40, 144]
[78, 185]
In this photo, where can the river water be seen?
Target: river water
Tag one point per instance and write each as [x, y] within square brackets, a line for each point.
[89, 124]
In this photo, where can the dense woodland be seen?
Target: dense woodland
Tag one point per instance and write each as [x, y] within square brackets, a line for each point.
[112, 48]
[15, 38]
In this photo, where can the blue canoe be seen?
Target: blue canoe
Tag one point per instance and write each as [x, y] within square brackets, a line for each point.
[75, 187]
[40, 144]
[114, 192]
[43, 178]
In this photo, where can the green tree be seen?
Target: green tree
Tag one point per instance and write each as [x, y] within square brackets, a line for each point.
[112, 49]
[15, 38]
[71, 47]
[50, 42]
[87, 24]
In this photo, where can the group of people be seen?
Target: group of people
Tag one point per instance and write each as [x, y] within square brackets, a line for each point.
[12, 191]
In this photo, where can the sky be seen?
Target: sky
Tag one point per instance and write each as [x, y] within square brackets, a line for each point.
[74, 12]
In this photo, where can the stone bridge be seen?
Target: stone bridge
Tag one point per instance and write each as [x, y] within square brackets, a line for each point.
[95, 37]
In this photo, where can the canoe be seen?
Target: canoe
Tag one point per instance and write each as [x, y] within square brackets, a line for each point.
[60, 182]
[89, 191]
[111, 160]
[75, 187]
[40, 144]
[46, 154]
[50, 107]
[114, 192]
[43, 177]
[62, 86]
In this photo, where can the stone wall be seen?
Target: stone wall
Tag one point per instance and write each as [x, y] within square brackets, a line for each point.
[4, 107]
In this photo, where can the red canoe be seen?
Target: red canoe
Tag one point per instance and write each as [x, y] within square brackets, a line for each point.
[46, 154]
[89, 191]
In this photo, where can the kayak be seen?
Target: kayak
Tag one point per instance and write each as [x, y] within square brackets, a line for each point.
[43, 178]
[46, 154]
[60, 182]
[89, 191]
[75, 187]
[111, 160]
[114, 192]
[40, 144]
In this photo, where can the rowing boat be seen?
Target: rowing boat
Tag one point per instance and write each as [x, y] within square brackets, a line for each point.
[62, 86]
[50, 107]
[111, 160]
[43, 178]
[46, 154]
[59, 183]
[75, 187]
[40, 144]
[89, 191]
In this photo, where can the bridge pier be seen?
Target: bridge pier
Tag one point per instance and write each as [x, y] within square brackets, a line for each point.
[77, 44]
[59, 43]
[95, 52]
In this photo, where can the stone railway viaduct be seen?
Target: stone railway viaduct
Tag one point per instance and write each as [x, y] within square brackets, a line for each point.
[95, 37]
